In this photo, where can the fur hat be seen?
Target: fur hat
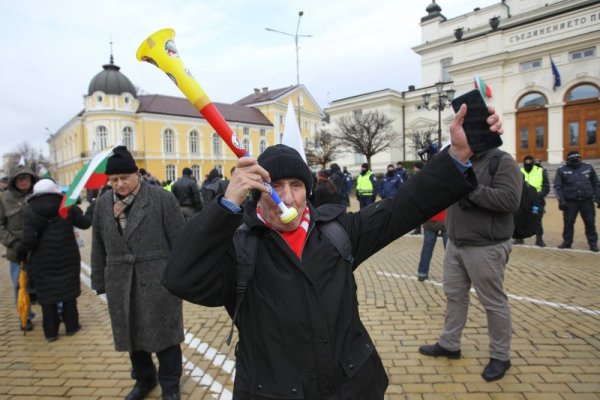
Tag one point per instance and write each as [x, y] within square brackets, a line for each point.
[284, 162]
[120, 162]
[46, 186]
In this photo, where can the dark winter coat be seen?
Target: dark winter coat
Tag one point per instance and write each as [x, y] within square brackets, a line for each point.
[12, 210]
[390, 183]
[54, 260]
[325, 192]
[577, 184]
[187, 192]
[300, 334]
[128, 267]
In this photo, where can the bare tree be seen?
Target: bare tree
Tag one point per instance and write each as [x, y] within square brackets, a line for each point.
[323, 149]
[33, 158]
[423, 138]
[366, 133]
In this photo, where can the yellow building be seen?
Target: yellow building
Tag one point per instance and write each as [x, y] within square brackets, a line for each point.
[166, 134]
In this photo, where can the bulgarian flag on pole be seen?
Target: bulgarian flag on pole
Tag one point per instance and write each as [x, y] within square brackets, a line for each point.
[91, 176]
[485, 89]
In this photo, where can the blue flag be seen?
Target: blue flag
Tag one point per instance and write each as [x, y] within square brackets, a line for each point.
[555, 74]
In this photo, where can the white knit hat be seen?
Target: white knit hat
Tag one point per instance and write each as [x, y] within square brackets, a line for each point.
[46, 186]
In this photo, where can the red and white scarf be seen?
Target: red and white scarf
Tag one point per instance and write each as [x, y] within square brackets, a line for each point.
[295, 239]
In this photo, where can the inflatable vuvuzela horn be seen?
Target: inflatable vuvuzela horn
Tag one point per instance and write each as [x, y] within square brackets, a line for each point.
[159, 49]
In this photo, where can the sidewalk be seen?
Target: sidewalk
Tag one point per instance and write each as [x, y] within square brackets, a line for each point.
[554, 297]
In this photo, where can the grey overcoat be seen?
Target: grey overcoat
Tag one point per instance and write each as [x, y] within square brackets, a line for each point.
[129, 267]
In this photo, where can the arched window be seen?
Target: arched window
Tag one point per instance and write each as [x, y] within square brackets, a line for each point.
[582, 92]
[101, 137]
[263, 145]
[127, 138]
[216, 144]
[193, 143]
[533, 99]
[168, 141]
[171, 173]
[196, 172]
[246, 143]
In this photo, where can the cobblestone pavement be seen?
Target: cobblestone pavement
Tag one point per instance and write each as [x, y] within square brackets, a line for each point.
[554, 297]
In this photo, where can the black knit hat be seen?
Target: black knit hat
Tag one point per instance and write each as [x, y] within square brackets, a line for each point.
[573, 154]
[121, 162]
[283, 162]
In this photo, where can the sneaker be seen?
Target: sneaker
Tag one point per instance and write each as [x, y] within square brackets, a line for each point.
[594, 248]
[518, 241]
[564, 245]
[495, 369]
[435, 350]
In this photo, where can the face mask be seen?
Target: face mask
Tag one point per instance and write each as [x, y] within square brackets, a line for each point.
[528, 167]
[390, 171]
[576, 162]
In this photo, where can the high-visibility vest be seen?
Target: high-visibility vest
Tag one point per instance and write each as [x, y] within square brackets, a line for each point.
[535, 177]
[364, 186]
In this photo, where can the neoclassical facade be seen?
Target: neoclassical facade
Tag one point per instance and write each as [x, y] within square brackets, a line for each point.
[510, 45]
[166, 133]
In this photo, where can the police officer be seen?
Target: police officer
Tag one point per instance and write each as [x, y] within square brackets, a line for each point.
[577, 187]
[366, 186]
[537, 177]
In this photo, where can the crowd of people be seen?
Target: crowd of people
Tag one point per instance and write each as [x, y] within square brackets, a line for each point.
[288, 286]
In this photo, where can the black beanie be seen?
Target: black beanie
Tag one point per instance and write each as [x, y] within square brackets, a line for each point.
[283, 162]
[120, 162]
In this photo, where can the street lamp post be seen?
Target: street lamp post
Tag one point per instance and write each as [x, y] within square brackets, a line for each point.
[295, 36]
[443, 100]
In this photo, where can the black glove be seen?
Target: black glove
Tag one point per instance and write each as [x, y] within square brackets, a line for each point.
[562, 206]
[21, 254]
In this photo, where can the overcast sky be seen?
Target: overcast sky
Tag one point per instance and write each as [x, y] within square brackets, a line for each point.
[52, 49]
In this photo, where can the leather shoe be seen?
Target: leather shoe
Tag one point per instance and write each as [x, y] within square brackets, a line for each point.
[421, 278]
[594, 248]
[435, 350]
[539, 242]
[564, 245]
[142, 388]
[495, 369]
[171, 396]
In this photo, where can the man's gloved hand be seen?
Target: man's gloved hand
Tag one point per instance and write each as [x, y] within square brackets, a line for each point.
[21, 254]
[562, 206]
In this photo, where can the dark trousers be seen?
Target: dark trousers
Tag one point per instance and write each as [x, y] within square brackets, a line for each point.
[539, 229]
[429, 239]
[169, 367]
[51, 320]
[364, 201]
[588, 214]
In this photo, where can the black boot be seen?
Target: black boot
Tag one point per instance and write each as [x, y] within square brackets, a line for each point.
[539, 241]
[142, 388]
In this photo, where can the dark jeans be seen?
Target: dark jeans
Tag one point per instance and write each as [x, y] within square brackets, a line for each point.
[51, 319]
[429, 239]
[169, 367]
[588, 214]
[539, 229]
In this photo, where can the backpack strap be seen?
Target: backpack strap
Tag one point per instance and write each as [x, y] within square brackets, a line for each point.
[246, 248]
[340, 239]
[494, 162]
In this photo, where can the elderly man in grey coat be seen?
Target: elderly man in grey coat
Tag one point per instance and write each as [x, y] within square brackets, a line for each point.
[134, 228]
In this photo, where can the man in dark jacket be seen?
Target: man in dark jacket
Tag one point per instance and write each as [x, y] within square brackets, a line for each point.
[188, 193]
[577, 187]
[12, 210]
[480, 228]
[537, 177]
[390, 183]
[300, 334]
[135, 226]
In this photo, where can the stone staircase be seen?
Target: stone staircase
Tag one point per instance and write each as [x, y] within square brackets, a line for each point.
[552, 168]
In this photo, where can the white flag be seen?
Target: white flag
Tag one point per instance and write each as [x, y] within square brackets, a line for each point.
[291, 134]
[22, 160]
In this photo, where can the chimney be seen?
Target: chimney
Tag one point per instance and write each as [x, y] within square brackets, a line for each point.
[256, 92]
[265, 89]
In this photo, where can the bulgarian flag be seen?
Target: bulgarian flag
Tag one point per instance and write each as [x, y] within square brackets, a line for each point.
[91, 176]
[485, 89]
